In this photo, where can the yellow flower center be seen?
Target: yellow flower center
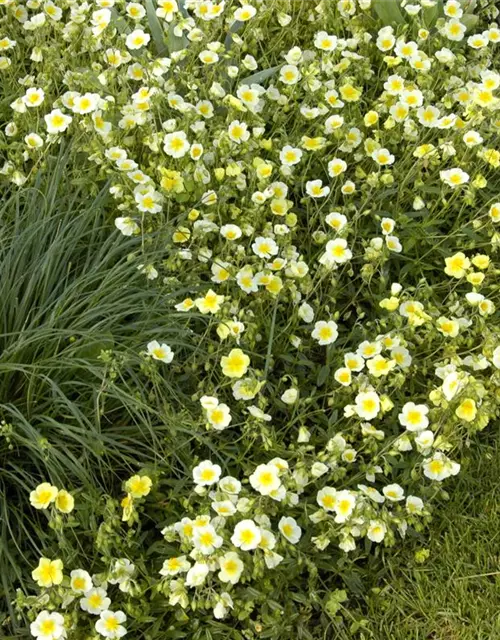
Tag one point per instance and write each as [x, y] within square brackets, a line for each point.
[47, 627]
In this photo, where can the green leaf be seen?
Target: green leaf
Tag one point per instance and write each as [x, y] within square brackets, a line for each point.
[431, 14]
[469, 20]
[323, 374]
[176, 43]
[120, 23]
[260, 76]
[388, 11]
[156, 28]
[235, 27]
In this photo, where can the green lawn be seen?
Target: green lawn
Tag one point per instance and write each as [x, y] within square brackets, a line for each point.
[455, 594]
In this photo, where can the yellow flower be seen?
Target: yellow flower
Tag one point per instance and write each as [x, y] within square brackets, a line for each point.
[492, 156]
[494, 212]
[181, 234]
[481, 261]
[370, 118]
[448, 327]
[457, 265]
[210, 303]
[65, 502]
[467, 410]
[350, 93]
[275, 285]
[127, 505]
[43, 495]
[48, 572]
[138, 486]
[391, 304]
[236, 364]
[172, 181]
[475, 278]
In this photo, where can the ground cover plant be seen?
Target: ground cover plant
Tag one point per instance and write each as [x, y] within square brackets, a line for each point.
[272, 245]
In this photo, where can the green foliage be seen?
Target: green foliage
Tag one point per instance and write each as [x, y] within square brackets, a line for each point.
[78, 405]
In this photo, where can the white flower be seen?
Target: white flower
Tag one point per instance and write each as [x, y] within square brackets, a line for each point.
[327, 498]
[197, 574]
[439, 467]
[175, 565]
[160, 352]
[33, 141]
[95, 601]
[414, 416]
[206, 539]
[290, 396]
[336, 220]
[265, 479]
[137, 39]
[367, 405]
[289, 74]
[344, 505]
[336, 167]
[109, 624]
[325, 332]
[290, 155]
[219, 416]
[382, 157]
[402, 357]
[412, 98]
[246, 535]
[231, 567]
[230, 232]
[244, 13]
[148, 200]
[256, 412]
[208, 57]
[56, 121]
[167, 9]
[406, 50]
[100, 20]
[86, 103]
[264, 247]
[354, 361]
[324, 41]
[343, 376]
[424, 440]
[290, 529]
[221, 609]
[319, 469]
[315, 189]
[372, 493]
[394, 492]
[80, 581]
[121, 575]
[224, 508]
[127, 226]
[238, 131]
[306, 312]
[414, 504]
[454, 177]
[48, 626]
[336, 252]
[176, 144]
[376, 531]
[206, 473]
[393, 244]
[33, 97]
[495, 359]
